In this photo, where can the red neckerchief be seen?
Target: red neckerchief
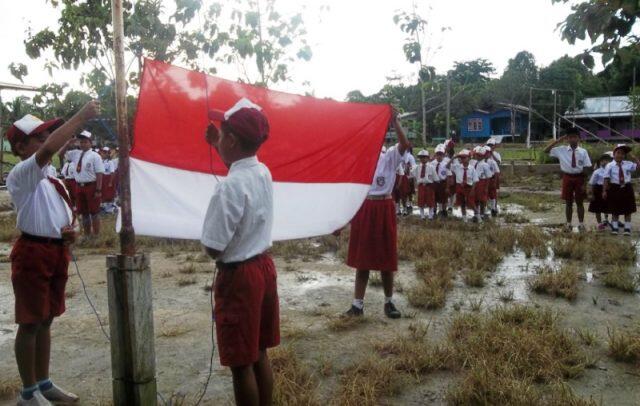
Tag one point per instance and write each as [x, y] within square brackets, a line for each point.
[64, 194]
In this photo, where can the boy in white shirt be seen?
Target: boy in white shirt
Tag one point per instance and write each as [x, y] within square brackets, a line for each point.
[618, 190]
[485, 174]
[494, 182]
[425, 176]
[466, 178]
[89, 172]
[40, 257]
[573, 162]
[439, 165]
[237, 234]
[374, 237]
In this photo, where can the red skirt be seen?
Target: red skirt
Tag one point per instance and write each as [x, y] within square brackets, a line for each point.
[465, 196]
[621, 200]
[426, 195]
[412, 187]
[373, 243]
[108, 187]
[597, 203]
[492, 188]
[482, 191]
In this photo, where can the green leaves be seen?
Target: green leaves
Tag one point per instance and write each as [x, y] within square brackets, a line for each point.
[18, 70]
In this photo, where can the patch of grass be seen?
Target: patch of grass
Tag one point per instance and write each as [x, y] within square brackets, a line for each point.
[430, 292]
[292, 249]
[9, 388]
[188, 269]
[173, 330]
[166, 274]
[554, 282]
[476, 304]
[624, 346]
[365, 383]
[293, 382]
[186, 281]
[289, 332]
[535, 202]
[621, 278]
[515, 218]
[532, 240]
[474, 277]
[512, 355]
[590, 247]
[344, 323]
[506, 296]
[8, 230]
[375, 280]
[586, 336]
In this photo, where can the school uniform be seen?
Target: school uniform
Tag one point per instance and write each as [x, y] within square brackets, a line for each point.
[88, 165]
[238, 223]
[597, 203]
[621, 199]
[425, 176]
[401, 186]
[373, 238]
[572, 164]
[108, 182]
[466, 178]
[495, 155]
[410, 164]
[440, 183]
[493, 182]
[39, 258]
[485, 174]
[68, 173]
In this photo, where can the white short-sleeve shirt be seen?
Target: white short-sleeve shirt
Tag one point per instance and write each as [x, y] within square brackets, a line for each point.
[239, 219]
[41, 210]
[612, 171]
[564, 154]
[92, 165]
[458, 171]
[385, 175]
[429, 173]
[440, 169]
[597, 177]
[482, 168]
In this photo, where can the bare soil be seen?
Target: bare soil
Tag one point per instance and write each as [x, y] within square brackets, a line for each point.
[313, 292]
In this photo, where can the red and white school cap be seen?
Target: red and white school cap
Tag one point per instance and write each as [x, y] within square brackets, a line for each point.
[30, 125]
[464, 152]
[440, 149]
[84, 134]
[424, 152]
[245, 119]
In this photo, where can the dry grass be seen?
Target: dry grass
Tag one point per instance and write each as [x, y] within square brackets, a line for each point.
[594, 248]
[515, 218]
[344, 323]
[186, 281]
[474, 278]
[8, 230]
[586, 336]
[9, 388]
[367, 382]
[188, 269]
[293, 382]
[293, 249]
[624, 346]
[513, 355]
[561, 282]
[532, 240]
[621, 278]
[173, 330]
[430, 291]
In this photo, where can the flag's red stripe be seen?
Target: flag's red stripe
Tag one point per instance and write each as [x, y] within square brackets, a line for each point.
[311, 140]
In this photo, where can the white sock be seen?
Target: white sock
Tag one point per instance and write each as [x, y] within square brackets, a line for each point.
[421, 212]
[359, 303]
[388, 299]
[627, 225]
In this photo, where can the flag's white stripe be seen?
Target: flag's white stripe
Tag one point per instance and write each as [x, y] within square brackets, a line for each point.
[169, 202]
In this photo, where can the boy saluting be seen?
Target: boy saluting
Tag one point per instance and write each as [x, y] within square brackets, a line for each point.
[40, 257]
[237, 233]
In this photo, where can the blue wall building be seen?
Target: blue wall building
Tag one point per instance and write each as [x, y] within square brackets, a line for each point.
[483, 124]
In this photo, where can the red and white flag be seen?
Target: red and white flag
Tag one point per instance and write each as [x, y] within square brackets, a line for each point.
[322, 154]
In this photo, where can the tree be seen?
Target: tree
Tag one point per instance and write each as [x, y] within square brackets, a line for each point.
[607, 23]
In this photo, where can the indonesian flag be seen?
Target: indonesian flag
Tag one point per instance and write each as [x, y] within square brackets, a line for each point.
[322, 154]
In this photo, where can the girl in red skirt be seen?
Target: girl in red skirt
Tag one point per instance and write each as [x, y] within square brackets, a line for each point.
[373, 239]
[425, 175]
[618, 191]
[597, 205]
[484, 172]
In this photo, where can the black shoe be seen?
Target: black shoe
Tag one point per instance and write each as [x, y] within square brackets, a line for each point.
[391, 311]
[354, 312]
[494, 213]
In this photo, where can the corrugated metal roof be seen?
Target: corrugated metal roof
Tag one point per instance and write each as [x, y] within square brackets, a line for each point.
[613, 106]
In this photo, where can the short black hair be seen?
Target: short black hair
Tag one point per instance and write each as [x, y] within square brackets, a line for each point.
[572, 131]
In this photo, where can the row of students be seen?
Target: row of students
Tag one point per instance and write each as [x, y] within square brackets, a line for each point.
[470, 179]
[612, 191]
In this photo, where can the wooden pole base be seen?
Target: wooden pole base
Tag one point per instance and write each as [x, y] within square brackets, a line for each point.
[133, 360]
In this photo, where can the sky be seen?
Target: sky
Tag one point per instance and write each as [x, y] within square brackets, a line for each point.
[355, 43]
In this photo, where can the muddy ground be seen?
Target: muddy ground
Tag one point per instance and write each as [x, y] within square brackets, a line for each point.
[313, 292]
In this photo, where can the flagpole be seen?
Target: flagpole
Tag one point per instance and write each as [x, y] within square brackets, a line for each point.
[128, 275]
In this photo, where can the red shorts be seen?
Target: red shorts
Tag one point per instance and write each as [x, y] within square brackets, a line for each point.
[373, 242]
[440, 189]
[426, 195]
[39, 276]
[573, 188]
[465, 196]
[401, 188]
[86, 202]
[492, 188]
[108, 187]
[70, 184]
[247, 311]
[482, 191]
